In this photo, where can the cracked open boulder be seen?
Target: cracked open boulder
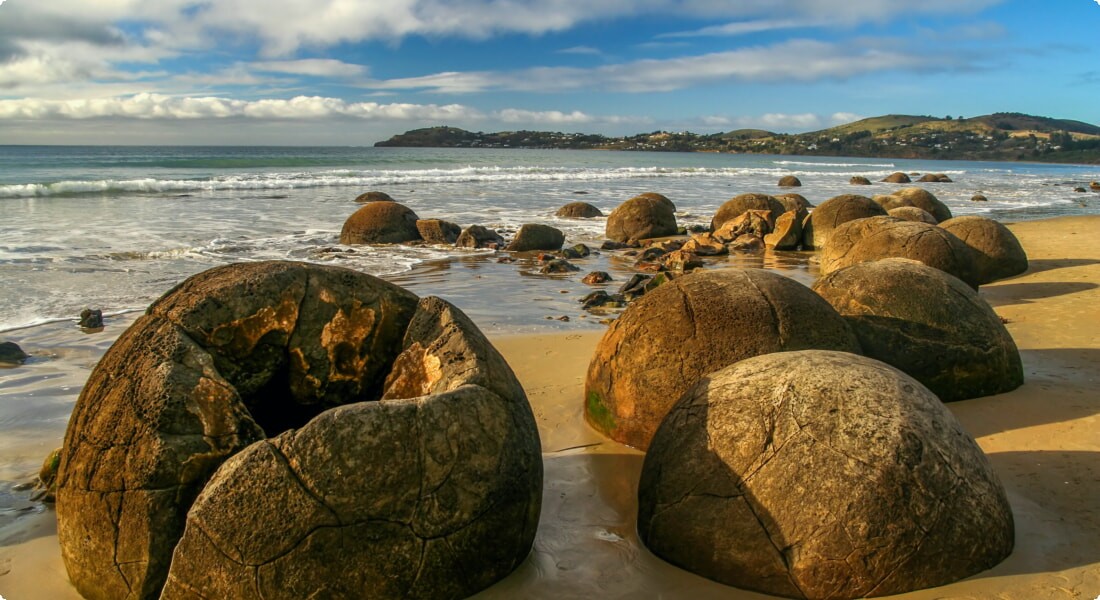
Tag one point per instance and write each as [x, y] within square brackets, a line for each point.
[677, 333]
[266, 425]
[820, 474]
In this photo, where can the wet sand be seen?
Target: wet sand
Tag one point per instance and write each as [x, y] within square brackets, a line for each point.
[1043, 440]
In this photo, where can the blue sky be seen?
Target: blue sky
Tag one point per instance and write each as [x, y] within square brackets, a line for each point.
[354, 72]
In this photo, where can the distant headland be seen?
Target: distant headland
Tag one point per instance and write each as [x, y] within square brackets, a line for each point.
[998, 137]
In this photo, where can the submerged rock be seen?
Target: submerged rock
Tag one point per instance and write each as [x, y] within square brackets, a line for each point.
[579, 210]
[898, 177]
[438, 231]
[477, 236]
[789, 181]
[91, 319]
[12, 354]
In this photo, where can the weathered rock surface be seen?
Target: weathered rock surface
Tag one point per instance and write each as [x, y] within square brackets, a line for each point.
[438, 231]
[912, 213]
[705, 244]
[373, 197]
[12, 354]
[91, 318]
[738, 205]
[244, 352]
[579, 210]
[922, 198]
[535, 236]
[596, 277]
[789, 181]
[794, 202]
[928, 324]
[642, 217]
[898, 177]
[1094, 186]
[752, 222]
[693, 325]
[478, 236]
[877, 238]
[787, 233]
[819, 475]
[997, 252]
[380, 222]
[832, 213]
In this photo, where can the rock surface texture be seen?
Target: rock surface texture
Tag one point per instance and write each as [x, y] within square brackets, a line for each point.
[997, 252]
[876, 238]
[535, 236]
[833, 212]
[677, 333]
[928, 324]
[275, 393]
[819, 475]
[740, 204]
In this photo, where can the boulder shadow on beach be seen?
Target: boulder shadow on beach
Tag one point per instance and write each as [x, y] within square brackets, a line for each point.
[1038, 265]
[1007, 294]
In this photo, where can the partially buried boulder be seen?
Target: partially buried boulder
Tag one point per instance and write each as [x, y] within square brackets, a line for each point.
[478, 236]
[535, 236]
[380, 222]
[11, 354]
[579, 210]
[789, 181]
[373, 197]
[434, 492]
[935, 178]
[876, 238]
[794, 202]
[438, 231]
[675, 334]
[817, 475]
[859, 180]
[642, 217]
[928, 324]
[922, 198]
[979, 198]
[898, 177]
[997, 252]
[740, 204]
[819, 226]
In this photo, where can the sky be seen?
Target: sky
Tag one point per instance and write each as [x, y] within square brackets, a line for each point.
[348, 72]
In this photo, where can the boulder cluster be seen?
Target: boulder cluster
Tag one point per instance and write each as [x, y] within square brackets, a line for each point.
[265, 425]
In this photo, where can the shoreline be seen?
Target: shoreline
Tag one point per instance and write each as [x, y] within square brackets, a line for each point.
[1041, 439]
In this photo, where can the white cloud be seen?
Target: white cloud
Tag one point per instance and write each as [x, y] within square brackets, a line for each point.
[315, 67]
[580, 50]
[797, 60]
[843, 118]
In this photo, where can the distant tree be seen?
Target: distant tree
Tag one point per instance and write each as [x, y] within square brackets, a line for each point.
[949, 118]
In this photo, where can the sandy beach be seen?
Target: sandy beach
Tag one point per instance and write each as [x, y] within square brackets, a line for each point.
[1043, 439]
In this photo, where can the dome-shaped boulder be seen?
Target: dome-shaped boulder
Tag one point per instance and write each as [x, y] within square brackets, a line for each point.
[794, 202]
[642, 217]
[820, 474]
[790, 181]
[249, 358]
[935, 178]
[997, 252]
[380, 222]
[859, 180]
[924, 199]
[912, 213]
[438, 231]
[535, 236]
[740, 204]
[691, 326]
[373, 197]
[877, 238]
[898, 177]
[832, 213]
[928, 324]
[579, 210]
[979, 198]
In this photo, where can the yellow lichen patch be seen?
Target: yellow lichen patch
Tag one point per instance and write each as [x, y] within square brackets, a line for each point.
[343, 336]
[241, 336]
[414, 374]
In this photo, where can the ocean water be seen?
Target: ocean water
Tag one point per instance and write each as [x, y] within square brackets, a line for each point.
[113, 228]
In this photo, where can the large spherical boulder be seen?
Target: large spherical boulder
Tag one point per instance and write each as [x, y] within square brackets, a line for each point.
[535, 236]
[820, 474]
[859, 180]
[832, 213]
[790, 181]
[922, 198]
[928, 324]
[380, 222]
[249, 358]
[792, 201]
[642, 217]
[579, 210]
[876, 238]
[997, 252]
[740, 204]
[935, 178]
[695, 324]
